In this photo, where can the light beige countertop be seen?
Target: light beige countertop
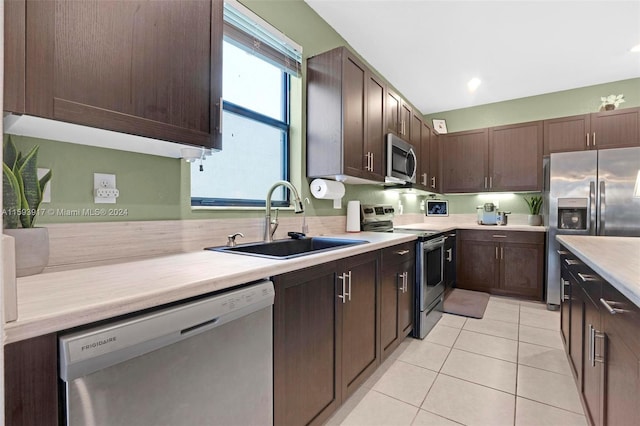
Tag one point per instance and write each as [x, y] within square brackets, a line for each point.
[465, 221]
[57, 301]
[615, 259]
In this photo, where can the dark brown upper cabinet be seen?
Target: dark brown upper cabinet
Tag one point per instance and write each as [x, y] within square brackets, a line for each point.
[504, 158]
[600, 130]
[428, 177]
[399, 116]
[345, 117]
[465, 161]
[515, 157]
[151, 69]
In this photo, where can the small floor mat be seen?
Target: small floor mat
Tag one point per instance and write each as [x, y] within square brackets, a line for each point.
[466, 303]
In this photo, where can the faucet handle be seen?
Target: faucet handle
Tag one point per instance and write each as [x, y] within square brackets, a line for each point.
[231, 239]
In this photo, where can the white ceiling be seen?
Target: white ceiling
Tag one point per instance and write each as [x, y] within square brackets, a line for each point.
[429, 50]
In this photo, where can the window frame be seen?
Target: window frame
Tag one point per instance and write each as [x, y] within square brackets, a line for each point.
[284, 126]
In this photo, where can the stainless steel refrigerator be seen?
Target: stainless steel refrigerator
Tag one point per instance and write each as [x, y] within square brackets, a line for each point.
[590, 193]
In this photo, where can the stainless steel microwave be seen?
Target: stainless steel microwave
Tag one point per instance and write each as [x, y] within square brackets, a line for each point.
[401, 161]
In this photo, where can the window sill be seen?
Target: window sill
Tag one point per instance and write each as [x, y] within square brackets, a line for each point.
[238, 208]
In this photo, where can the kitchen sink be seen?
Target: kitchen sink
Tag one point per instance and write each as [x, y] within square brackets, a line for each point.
[287, 249]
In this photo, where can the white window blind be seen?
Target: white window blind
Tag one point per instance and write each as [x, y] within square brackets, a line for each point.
[249, 32]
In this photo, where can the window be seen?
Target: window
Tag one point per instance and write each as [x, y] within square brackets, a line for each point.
[255, 136]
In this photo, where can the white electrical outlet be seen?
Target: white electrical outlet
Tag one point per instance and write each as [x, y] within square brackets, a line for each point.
[104, 188]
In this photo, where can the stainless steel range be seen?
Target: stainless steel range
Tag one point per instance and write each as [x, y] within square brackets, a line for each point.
[429, 285]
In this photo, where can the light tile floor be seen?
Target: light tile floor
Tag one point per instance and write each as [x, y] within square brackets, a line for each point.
[508, 368]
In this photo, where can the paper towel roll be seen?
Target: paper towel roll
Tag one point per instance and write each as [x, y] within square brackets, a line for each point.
[328, 190]
[353, 216]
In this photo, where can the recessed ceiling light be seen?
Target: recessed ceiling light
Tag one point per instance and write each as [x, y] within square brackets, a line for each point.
[473, 84]
[636, 48]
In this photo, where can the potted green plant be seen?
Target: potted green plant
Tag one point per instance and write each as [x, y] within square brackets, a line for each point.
[21, 198]
[535, 204]
[611, 102]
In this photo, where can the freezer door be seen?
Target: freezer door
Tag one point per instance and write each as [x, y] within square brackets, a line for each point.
[572, 175]
[618, 210]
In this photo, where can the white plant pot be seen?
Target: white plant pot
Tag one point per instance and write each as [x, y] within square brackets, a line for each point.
[32, 249]
[534, 219]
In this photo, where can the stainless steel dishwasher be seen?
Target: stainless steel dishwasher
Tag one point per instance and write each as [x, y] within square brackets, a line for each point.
[206, 362]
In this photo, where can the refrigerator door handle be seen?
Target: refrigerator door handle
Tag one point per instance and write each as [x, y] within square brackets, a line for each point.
[603, 204]
[592, 208]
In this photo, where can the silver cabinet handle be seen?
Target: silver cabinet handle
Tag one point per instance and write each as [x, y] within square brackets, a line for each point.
[587, 277]
[496, 252]
[499, 236]
[562, 252]
[563, 285]
[343, 296]
[372, 162]
[220, 117]
[591, 211]
[572, 262]
[485, 182]
[346, 295]
[501, 253]
[490, 181]
[449, 255]
[593, 335]
[594, 138]
[587, 140]
[603, 205]
[405, 280]
[424, 179]
[401, 252]
[610, 309]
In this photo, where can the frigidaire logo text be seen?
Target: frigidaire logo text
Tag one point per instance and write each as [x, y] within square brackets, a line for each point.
[99, 343]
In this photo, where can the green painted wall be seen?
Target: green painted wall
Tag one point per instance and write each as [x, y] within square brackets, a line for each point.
[558, 104]
[155, 188]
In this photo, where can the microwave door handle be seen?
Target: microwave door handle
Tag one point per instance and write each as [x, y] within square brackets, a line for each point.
[601, 209]
[592, 208]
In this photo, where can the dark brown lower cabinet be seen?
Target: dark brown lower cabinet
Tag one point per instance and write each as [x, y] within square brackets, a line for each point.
[325, 337]
[509, 263]
[396, 296]
[31, 382]
[604, 348]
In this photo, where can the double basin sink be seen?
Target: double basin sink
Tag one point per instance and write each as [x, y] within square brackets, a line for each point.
[288, 249]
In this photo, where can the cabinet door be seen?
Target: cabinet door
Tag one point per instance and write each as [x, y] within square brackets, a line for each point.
[450, 261]
[393, 112]
[593, 374]
[305, 346]
[422, 175]
[567, 134]
[31, 381]
[150, 68]
[374, 142]
[521, 269]
[478, 265]
[622, 400]
[465, 161]
[358, 312]
[576, 333]
[416, 129]
[565, 307]
[615, 129]
[14, 55]
[435, 178]
[406, 301]
[354, 81]
[515, 157]
[405, 120]
[390, 289]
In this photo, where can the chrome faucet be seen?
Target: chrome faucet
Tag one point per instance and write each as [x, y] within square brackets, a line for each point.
[270, 226]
